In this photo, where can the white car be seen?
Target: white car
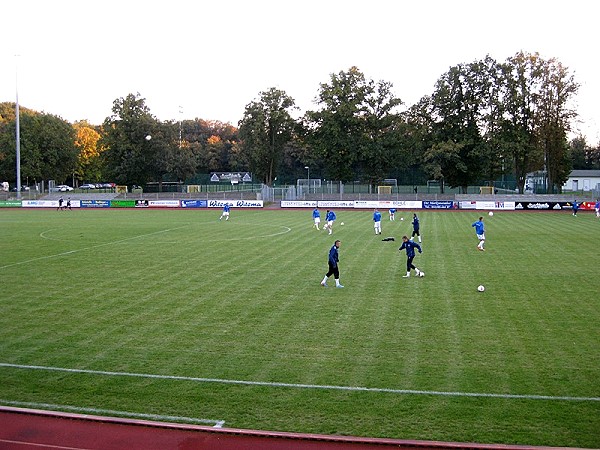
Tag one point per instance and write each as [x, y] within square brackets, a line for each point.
[63, 188]
[87, 186]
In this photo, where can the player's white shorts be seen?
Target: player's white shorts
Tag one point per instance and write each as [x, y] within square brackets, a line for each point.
[317, 220]
[481, 237]
[330, 223]
[226, 213]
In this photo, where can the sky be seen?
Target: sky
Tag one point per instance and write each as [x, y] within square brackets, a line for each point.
[209, 59]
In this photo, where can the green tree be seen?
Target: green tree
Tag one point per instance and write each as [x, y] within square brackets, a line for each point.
[517, 132]
[47, 148]
[89, 163]
[358, 133]
[553, 120]
[136, 142]
[338, 131]
[457, 113]
[265, 129]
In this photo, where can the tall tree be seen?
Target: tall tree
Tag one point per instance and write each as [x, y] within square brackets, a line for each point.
[358, 131]
[47, 149]
[521, 75]
[578, 150]
[136, 142]
[265, 129]
[89, 164]
[457, 111]
[338, 131]
[553, 120]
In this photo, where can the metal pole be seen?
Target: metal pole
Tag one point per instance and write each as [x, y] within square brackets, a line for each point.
[180, 116]
[308, 176]
[17, 128]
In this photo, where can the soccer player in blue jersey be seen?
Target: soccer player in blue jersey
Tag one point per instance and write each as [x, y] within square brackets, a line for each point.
[330, 218]
[480, 231]
[575, 207]
[410, 246]
[316, 217]
[333, 263]
[597, 208]
[377, 221]
[225, 212]
[416, 227]
[392, 213]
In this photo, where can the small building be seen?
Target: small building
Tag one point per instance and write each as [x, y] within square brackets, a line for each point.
[582, 180]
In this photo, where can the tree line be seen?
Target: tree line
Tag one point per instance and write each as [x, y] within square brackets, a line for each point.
[484, 120]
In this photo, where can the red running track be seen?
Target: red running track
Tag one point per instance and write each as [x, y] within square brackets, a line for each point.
[27, 429]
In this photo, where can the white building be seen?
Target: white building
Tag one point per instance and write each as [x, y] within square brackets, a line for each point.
[582, 180]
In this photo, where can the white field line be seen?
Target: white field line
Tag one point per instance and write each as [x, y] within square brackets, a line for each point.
[41, 258]
[309, 386]
[70, 252]
[79, 410]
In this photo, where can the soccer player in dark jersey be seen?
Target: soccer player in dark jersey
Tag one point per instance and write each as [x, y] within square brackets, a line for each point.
[410, 246]
[332, 262]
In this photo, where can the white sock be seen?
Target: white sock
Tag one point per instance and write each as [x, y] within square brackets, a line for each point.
[324, 280]
[337, 281]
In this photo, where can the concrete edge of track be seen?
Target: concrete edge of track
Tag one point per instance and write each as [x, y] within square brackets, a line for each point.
[224, 432]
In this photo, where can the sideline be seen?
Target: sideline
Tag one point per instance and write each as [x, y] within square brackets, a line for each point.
[24, 428]
[307, 386]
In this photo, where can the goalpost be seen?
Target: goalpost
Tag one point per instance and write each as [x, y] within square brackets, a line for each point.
[387, 187]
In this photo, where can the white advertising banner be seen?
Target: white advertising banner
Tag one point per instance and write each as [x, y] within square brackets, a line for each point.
[40, 203]
[487, 205]
[410, 204]
[298, 204]
[163, 203]
[236, 203]
[372, 204]
[335, 204]
[385, 205]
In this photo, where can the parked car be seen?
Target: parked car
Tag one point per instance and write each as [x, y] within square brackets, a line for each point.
[63, 188]
[88, 186]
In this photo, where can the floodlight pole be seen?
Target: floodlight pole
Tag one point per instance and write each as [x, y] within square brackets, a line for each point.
[308, 177]
[17, 128]
[180, 130]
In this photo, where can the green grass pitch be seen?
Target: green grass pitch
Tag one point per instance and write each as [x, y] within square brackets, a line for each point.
[175, 314]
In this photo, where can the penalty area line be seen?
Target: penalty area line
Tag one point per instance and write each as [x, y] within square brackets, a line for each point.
[308, 386]
[70, 252]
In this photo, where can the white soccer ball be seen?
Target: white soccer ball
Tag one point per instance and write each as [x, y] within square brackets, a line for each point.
[401, 218]
[421, 274]
[342, 223]
[148, 137]
[491, 213]
[481, 288]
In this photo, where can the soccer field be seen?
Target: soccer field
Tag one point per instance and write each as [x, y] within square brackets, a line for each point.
[175, 315]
